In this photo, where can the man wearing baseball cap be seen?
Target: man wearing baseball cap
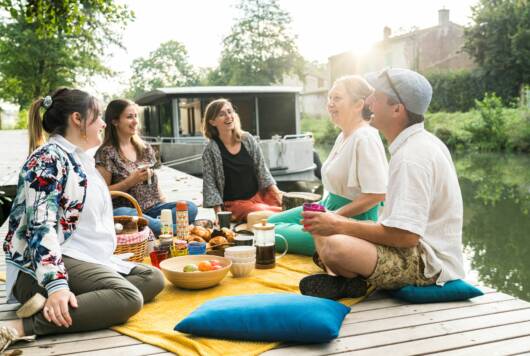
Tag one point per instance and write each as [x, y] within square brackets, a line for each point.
[418, 238]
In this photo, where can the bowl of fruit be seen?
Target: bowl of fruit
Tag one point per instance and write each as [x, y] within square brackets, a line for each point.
[195, 271]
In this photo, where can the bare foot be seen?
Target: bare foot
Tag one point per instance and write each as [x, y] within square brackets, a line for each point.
[15, 324]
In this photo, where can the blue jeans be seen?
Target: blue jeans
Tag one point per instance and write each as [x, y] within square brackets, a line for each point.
[152, 215]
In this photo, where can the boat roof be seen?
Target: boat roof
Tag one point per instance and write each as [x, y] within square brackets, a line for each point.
[160, 93]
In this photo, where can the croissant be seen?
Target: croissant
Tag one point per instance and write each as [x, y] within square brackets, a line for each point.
[202, 232]
[195, 238]
[219, 240]
[229, 234]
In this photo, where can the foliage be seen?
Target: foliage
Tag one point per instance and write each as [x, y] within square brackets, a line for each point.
[260, 48]
[499, 41]
[22, 120]
[455, 90]
[471, 131]
[73, 18]
[46, 44]
[167, 66]
[452, 128]
[323, 130]
[488, 132]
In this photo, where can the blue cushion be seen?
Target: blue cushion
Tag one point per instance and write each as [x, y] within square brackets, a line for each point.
[451, 291]
[267, 317]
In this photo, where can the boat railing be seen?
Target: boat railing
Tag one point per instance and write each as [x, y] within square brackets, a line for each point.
[166, 139]
[297, 136]
[183, 160]
[199, 139]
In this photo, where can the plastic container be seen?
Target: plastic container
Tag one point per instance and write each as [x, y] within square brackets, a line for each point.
[179, 248]
[166, 220]
[197, 248]
[182, 223]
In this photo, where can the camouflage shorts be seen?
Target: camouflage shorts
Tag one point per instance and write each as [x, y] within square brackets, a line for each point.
[397, 267]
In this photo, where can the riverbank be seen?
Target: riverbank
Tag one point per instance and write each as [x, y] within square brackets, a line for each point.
[489, 129]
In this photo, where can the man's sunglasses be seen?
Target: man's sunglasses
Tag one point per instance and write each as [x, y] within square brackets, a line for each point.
[385, 73]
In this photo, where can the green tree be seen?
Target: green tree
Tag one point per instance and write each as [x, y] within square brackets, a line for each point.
[260, 48]
[499, 41]
[42, 52]
[81, 18]
[167, 66]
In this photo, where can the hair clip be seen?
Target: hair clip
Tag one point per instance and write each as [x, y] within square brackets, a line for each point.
[47, 102]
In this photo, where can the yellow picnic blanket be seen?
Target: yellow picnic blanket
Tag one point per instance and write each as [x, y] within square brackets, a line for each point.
[155, 322]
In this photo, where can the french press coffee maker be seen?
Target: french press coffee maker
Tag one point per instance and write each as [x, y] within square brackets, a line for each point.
[265, 242]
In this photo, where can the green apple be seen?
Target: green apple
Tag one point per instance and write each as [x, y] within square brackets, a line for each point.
[190, 268]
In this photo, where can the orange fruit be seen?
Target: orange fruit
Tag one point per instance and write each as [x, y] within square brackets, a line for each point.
[205, 266]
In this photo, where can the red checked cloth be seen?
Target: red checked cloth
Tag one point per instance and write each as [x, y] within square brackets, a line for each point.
[127, 239]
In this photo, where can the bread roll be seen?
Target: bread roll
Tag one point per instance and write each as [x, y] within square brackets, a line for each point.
[219, 240]
[193, 237]
[201, 231]
[228, 234]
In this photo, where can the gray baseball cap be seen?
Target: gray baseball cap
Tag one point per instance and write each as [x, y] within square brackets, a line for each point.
[404, 85]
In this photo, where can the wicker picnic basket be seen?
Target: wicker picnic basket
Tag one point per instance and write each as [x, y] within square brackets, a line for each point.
[135, 234]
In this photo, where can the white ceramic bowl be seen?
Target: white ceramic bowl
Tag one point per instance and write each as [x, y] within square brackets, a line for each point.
[172, 269]
[242, 259]
[242, 269]
[240, 251]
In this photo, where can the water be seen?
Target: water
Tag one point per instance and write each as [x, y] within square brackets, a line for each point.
[496, 192]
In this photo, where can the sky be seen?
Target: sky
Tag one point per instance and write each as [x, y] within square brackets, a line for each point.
[322, 27]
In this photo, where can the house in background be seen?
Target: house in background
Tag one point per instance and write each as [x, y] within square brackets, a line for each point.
[315, 86]
[423, 50]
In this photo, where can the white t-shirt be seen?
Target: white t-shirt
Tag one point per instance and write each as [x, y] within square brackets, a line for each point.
[424, 198]
[94, 239]
[356, 164]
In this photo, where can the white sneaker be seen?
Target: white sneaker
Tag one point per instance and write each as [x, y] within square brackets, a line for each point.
[9, 335]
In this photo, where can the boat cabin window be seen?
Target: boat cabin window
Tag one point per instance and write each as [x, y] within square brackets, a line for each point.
[190, 117]
[276, 115]
[158, 120]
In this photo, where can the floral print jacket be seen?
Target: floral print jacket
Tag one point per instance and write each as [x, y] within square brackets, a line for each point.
[51, 191]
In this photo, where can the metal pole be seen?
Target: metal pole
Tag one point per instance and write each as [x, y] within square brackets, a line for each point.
[256, 105]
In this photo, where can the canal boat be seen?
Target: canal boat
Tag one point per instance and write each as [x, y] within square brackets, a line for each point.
[172, 118]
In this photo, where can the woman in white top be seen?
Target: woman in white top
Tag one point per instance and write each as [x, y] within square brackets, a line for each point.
[355, 173]
[60, 243]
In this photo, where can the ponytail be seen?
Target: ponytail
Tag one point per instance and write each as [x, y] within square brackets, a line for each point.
[37, 136]
[58, 107]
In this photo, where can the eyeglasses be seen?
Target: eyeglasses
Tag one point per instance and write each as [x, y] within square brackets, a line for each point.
[385, 72]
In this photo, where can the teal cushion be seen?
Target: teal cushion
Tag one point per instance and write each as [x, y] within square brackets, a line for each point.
[451, 291]
[267, 317]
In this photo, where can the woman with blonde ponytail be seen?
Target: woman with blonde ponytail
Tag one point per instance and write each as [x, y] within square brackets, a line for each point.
[60, 243]
[354, 175]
